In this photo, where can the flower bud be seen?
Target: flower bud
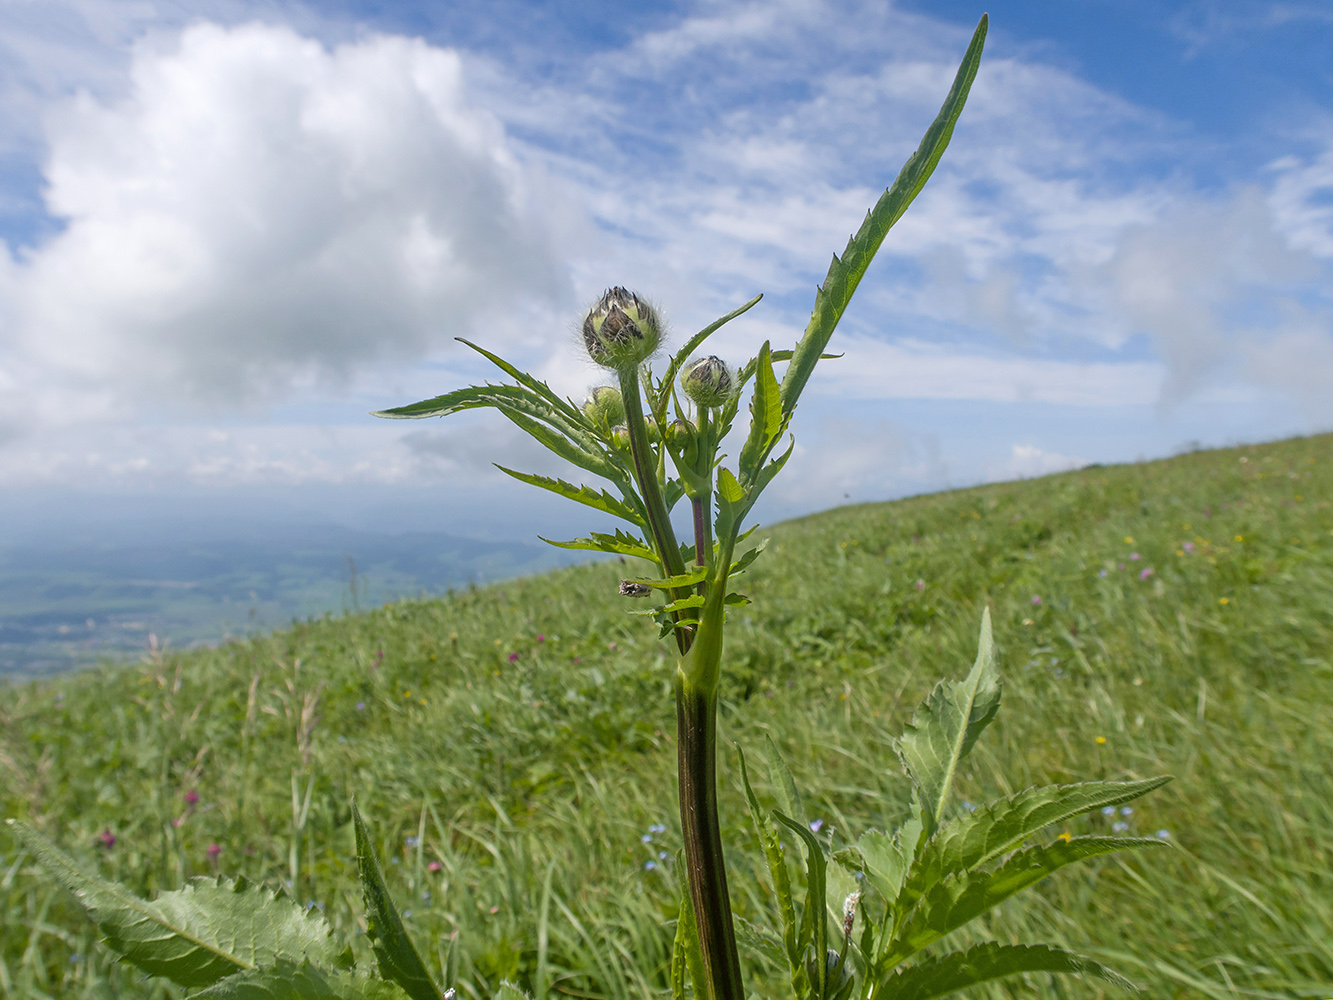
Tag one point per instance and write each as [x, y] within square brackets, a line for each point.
[621, 330]
[709, 381]
[620, 436]
[605, 407]
[680, 435]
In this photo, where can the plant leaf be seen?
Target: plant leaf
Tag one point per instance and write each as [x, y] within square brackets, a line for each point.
[508, 991]
[777, 870]
[950, 903]
[686, 956]
[885, 860]
[766, 417]
[760, 941]
[946, 725]
[975, 838]
[197, 935]
[619, 544]
[937, 977]
[743, 563]
[287, 980]
[397, 956]
[522, 377]
[814, 915]
[727, 488]
[696, 575]
[685, 603]
[844, 275]
[586, 495]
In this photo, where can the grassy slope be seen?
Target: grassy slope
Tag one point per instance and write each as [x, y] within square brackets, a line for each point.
[524, 729]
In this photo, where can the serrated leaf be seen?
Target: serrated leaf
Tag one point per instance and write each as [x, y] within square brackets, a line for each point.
[736, 600]
[287, 980]
[777, 870]
[697, 575]
[727, 488]
[619, 544]
[194, 936]
[397, 956]
[586, 495]
[937, 977]
[536, 385]
[508, 991]
[743, 563]
[886, 860]
[952, 902]
[844, 275]
[685, 603]
[975, 838]
[814, 917]
[946, 726]
[766, 419]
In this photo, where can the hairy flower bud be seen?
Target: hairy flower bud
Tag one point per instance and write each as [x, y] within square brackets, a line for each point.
[709, 381]
[605, 407]
[621, 330]
[620, 436]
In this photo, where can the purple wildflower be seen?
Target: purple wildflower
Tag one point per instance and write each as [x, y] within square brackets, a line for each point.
[1145, 572]
[1036, 598]
[107, 838]
[191, 798]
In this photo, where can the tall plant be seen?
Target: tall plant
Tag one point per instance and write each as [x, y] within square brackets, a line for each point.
[655, 438]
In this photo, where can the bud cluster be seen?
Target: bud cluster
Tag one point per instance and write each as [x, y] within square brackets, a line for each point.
[621, 330]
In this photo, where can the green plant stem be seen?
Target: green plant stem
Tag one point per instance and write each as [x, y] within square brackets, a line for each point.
[696, 727]
[645, 471]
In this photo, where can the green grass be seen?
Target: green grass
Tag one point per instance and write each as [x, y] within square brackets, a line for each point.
[517, 733]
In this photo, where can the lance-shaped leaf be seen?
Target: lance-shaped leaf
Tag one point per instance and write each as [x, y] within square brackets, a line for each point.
[508, 991]
[937, 977]
[949, 904]
[743, 563]
[523, 378]
[197, 935]
[586, 495]
[397, 956]
[697, 575]
[977, 837]
[814, 915]
[945, 727]
[287, 980]
[684, 604]
[845, 274]
[766, 418]
[777, 870]
[619, 544]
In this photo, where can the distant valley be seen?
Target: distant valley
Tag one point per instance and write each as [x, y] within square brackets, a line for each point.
[66, 603]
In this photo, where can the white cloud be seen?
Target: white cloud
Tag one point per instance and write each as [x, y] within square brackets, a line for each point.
[1028, 461]
[259, 212]
[872, 369]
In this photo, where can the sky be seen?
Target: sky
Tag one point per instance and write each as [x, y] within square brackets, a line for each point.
[231, 229]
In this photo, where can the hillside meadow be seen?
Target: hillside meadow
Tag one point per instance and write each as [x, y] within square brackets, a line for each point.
[511, 745]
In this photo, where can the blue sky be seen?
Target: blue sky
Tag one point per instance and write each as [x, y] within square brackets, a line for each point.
[232, 228]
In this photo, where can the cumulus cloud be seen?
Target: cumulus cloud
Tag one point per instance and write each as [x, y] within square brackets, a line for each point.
[259, 212]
